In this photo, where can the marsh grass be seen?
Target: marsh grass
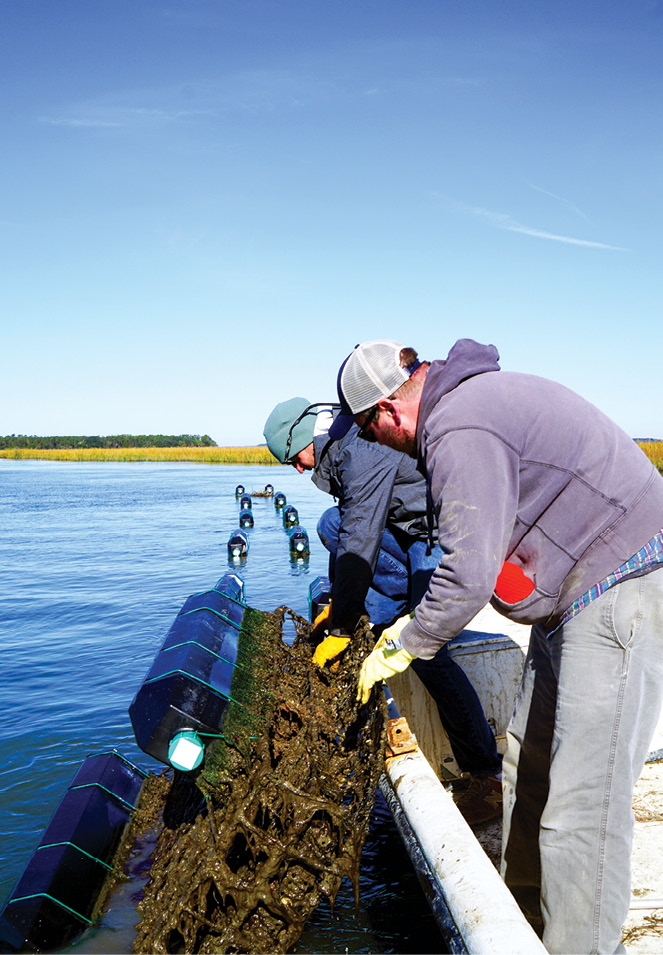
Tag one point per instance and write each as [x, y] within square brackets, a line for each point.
[654, 451]
[234, 455]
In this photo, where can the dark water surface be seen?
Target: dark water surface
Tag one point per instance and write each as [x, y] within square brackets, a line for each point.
[95, 562]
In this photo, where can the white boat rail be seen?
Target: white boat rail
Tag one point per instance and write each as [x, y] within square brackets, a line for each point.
[474, 909]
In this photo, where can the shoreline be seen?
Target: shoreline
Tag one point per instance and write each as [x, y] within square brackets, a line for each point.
[250, 454]
[198, 455]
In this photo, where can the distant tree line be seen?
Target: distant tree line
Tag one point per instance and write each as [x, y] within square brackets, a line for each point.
[108, 441]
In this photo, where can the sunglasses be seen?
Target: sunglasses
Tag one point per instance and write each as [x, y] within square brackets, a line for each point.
[310, 409]
[371, 416]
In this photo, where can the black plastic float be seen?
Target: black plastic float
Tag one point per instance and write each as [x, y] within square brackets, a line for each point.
[319, 596]
[290, 515]
[238, 545]
[246, 519]
[57, 896]
[299, 542]
[184, 697]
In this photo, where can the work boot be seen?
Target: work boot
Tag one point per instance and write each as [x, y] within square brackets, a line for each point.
[481, 801]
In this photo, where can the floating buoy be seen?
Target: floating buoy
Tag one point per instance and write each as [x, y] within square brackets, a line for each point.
[183, 698]
[238, 545]
[290, 515]
[239, 490]
[299, 542]
[245, 518]
[279, 499]
[56, 897]
[245, 502]
[319, 596]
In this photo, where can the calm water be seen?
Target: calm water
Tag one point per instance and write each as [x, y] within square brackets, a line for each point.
[95, 562]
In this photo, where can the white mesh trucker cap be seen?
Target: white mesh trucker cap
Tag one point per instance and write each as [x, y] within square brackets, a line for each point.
[371, 372]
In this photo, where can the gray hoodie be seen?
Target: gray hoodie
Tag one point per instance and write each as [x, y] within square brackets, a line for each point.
[522, 468]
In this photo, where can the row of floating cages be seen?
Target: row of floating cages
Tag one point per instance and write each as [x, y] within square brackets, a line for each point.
[241, 492]
[244, 498]
[179, 707]
[290, 514]
[238, 543]
[290, 517]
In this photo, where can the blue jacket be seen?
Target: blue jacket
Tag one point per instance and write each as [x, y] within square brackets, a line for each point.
[522, 468]
[376, 488]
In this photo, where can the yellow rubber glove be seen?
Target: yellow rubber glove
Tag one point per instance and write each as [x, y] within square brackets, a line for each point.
[329, 649]
[321, 622]
[384, 660]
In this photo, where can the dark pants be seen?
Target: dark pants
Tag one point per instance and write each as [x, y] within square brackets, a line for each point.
[399, 582]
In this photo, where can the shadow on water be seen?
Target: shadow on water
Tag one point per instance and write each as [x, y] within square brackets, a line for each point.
[393, 914]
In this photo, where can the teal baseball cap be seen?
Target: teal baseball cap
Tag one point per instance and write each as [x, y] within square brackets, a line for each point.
[290, 428]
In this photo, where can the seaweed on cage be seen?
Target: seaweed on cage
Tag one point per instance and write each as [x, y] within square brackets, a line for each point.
[278, 816]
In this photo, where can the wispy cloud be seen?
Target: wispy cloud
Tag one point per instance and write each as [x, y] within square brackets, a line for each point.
[101, 117]
[254, 92]
[567, 239]
[78, 122]
[571, 206]
[501, 220]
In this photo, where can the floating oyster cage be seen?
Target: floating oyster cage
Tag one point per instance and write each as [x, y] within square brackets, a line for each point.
[58, 894]
[183, 700]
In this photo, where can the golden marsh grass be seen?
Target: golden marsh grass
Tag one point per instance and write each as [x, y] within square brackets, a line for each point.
[654, 451]
[231, 455]
[234, 455]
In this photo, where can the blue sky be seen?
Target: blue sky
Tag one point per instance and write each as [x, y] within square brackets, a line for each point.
[207, 203]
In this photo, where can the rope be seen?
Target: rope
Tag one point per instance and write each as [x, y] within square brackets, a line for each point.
[186, 643]
[114, 795]
[45, 895]
[209, 686]
[216, 613]
[53, 845]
